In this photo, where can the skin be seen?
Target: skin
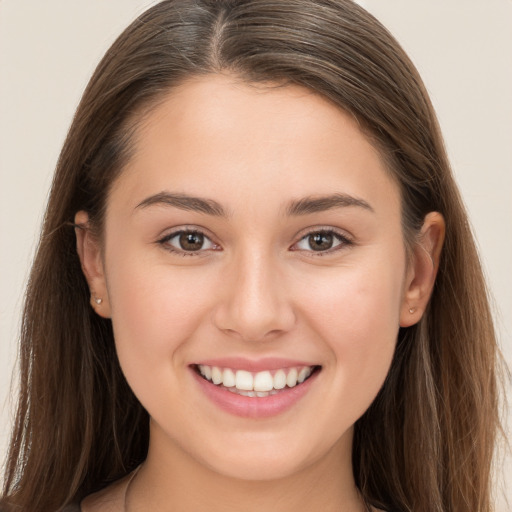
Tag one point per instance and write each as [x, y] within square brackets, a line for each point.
[257, 290]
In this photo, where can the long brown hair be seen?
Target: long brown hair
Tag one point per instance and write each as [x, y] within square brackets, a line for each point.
[426, 443]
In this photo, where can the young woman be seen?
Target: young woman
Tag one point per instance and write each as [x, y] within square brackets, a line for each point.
[256, 286]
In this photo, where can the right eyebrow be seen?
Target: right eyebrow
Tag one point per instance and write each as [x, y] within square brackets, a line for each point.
[309, 205]
[184, 202]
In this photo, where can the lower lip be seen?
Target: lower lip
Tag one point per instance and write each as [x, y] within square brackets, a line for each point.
[254, 407]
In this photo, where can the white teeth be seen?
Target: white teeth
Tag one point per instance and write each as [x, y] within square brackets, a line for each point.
[206, 371]
[258, 384]
[242, 392]
[279, 380]
[291, 378]
[263, 381]
[228, 378]
[216, 375]
[244, 380]
[303, 374]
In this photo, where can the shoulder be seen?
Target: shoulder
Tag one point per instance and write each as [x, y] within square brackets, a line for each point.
[74, 507]
[110, 499]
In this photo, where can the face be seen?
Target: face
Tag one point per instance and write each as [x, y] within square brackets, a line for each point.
[254, 237]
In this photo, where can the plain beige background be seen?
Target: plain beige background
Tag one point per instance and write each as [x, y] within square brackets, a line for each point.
[48, 50]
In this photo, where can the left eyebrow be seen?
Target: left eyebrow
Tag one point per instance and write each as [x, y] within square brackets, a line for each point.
[317, 204]
[184, 202]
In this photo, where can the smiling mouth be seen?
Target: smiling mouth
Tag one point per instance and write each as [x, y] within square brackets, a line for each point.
[256, 384]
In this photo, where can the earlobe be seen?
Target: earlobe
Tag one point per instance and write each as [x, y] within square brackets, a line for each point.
[423, 269]
[89, 252]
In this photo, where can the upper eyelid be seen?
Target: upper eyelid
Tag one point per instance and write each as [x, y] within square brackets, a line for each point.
[186, 229]
[345, 241]
[164, 240]
[323, 229]
[342, 234]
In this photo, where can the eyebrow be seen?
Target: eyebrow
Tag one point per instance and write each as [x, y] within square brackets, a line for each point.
[184, 202]
[316, 204]
[304, 206]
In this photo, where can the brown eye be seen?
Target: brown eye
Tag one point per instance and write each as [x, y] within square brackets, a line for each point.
[191, 241]
[187, 242]
[320, 241]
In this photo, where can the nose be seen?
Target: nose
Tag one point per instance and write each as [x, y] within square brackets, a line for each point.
[253, 303]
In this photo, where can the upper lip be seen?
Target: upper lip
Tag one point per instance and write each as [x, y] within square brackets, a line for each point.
[254, 365]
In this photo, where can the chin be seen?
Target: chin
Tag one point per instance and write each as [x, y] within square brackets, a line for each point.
[259, 469]
[266, 457]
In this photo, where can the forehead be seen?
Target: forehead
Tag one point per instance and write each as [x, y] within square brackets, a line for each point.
[219, 135]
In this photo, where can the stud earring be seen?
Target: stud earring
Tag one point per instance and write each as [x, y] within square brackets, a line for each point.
[412, 310]
[98, 300]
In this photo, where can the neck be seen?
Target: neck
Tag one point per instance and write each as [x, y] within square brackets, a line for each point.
[172, 479]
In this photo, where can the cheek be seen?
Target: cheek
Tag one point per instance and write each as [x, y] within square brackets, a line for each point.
[351, 303]
[355, 312]
[155, 310]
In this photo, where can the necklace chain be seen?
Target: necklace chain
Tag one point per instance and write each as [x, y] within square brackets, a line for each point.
[367, 506]
[128, 486]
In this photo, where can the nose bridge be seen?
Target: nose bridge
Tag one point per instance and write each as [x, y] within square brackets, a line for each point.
[255, 301]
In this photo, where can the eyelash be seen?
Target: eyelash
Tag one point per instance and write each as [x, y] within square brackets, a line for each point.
[343, 242]
[165, 242]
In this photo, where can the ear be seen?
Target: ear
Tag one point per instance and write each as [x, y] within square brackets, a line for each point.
[89, 252]
[422, 271]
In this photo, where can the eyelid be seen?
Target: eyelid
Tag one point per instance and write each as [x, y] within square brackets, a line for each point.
[345, 239]
[164, 240]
